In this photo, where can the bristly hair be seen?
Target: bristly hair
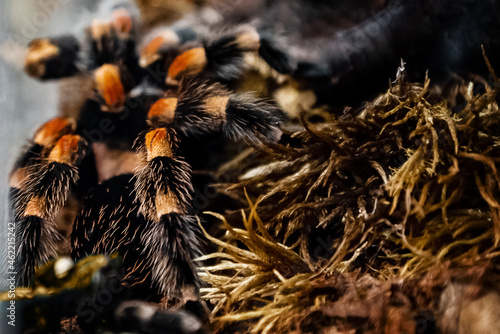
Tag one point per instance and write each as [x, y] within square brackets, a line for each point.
[191, 116]
[107, 219]
[108, 222]
[252, 119]
[35, 245]
[53, 181]
[170, 246]
[245, 116]
[225, 58]
[115, 49]
[36, 236]
[162, 174]
[31, 155]
[274, 54]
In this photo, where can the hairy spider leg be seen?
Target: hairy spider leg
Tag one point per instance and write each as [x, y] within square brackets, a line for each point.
[43, 140]
[109, 86]
[105, 41]
[202, 108]
[52, 58]
[164, 190]
[112, 41]
[108, 220]
[219, 57]
[160, 42]
[42, 194]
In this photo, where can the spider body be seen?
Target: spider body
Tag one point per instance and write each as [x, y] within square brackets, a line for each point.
[121, 155]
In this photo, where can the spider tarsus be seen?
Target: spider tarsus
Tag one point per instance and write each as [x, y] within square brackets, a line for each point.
[253, 120]
[53, 58]
[275, 55]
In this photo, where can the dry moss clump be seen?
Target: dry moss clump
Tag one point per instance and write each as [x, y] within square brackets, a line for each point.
[359, 223]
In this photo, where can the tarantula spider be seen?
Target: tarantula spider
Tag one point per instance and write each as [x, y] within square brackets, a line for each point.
[122, 154]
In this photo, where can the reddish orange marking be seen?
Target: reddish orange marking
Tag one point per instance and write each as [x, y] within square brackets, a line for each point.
[122, 21]
[158, 144]
[109, 85]
[154, 45]
[190, 62]
[53, 130]
[164, 108]
[149, 53]
[66, 150]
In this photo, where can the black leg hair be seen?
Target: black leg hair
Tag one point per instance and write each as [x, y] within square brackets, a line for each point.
[275, 55]
[170, 246]
[162, 44]
[111, 41]
[42, 195]
[52, 58]
[43, 141]
[164, 189]
[219, 57]
[202, 108]
[106, 41]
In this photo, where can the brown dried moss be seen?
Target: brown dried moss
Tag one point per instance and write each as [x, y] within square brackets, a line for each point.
[405, 190]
